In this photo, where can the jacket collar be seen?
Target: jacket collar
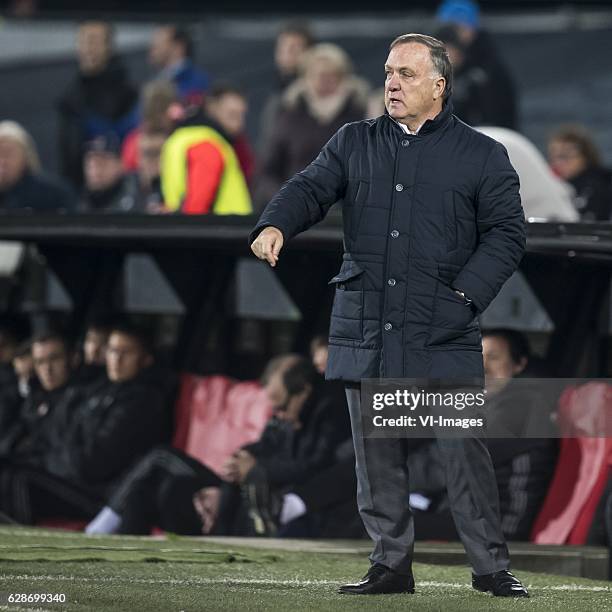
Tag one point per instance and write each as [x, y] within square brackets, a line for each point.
[431, 125]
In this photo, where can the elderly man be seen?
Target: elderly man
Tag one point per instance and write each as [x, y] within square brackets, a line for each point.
[433, 227]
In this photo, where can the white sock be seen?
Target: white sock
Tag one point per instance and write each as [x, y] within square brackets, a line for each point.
[106, 521]
[293, 507]
[419, 502]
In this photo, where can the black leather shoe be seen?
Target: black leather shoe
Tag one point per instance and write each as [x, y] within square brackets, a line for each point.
[380, 579]
[501, 584]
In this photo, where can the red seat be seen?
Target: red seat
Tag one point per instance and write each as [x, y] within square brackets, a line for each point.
[583, 467]
[216, 415]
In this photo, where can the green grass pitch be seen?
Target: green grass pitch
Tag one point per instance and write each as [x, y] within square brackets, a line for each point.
[193, 574]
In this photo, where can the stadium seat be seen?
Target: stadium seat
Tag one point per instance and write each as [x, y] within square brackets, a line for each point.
[216, 415]
[583, 468]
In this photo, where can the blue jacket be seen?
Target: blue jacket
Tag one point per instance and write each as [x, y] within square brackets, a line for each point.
[422, 215]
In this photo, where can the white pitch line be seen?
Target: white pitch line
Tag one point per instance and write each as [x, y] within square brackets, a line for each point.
[290, 582]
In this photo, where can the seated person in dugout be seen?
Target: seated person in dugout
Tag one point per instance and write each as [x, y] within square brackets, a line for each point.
[325, 505]
[74, 443]
[523, 465]
[173, 491]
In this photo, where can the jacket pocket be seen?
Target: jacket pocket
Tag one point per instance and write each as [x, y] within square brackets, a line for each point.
[453, 322]
[450, 220]
[347, 312]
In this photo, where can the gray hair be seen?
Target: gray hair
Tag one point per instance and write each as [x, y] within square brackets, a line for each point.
[438, 54]
[11, 130]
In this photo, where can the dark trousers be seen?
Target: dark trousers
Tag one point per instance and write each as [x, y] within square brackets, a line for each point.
[382, 496]
[158, 492]
[29, 495]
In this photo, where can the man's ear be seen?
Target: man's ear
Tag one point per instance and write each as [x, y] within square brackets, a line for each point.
[439, 87]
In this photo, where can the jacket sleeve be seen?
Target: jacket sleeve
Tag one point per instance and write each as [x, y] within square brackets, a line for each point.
[305, 199]
[501, 231]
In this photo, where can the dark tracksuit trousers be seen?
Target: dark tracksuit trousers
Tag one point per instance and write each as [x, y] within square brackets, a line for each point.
[29, 495]
[158, 492]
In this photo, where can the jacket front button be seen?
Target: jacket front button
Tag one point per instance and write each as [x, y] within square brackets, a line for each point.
[391, 282]
[388, 327]
[405, 142]
[399, 187]
[394, 234]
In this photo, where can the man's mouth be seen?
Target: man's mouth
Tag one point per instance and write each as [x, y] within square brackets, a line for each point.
[394, 101]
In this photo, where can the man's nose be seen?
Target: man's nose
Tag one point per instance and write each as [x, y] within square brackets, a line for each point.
[394, 83]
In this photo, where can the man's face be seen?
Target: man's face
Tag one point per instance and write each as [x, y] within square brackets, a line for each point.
[565, 159]
[284, 406]
[125, 357]
[12, 162]
[23, 366]
[93, 47]
[94, 347]
[412, 89]
[162, 46]
[149, 153]
[51, 364]
[498, 364]
[290, 47]
[102, 170]
[230, 112]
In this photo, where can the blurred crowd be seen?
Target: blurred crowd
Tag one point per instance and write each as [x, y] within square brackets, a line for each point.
[86, 431]
[179, 144]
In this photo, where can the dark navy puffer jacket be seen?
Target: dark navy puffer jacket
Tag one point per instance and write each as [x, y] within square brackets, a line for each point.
[422, 215]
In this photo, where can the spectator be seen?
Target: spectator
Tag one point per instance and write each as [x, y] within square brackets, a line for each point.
[28, 440]
[100, 100]
[228, 107]
[105, 188]
[313, 108]
[95, 342]
[310, 422]
[483, 89]
[23, 186]
[201, 172]
[291, 43]
[543, 195]
[297, 442]
[142, 188]
[523, 465]
[574, 157]
[160, 111]
[92, 436]
[172, 53]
